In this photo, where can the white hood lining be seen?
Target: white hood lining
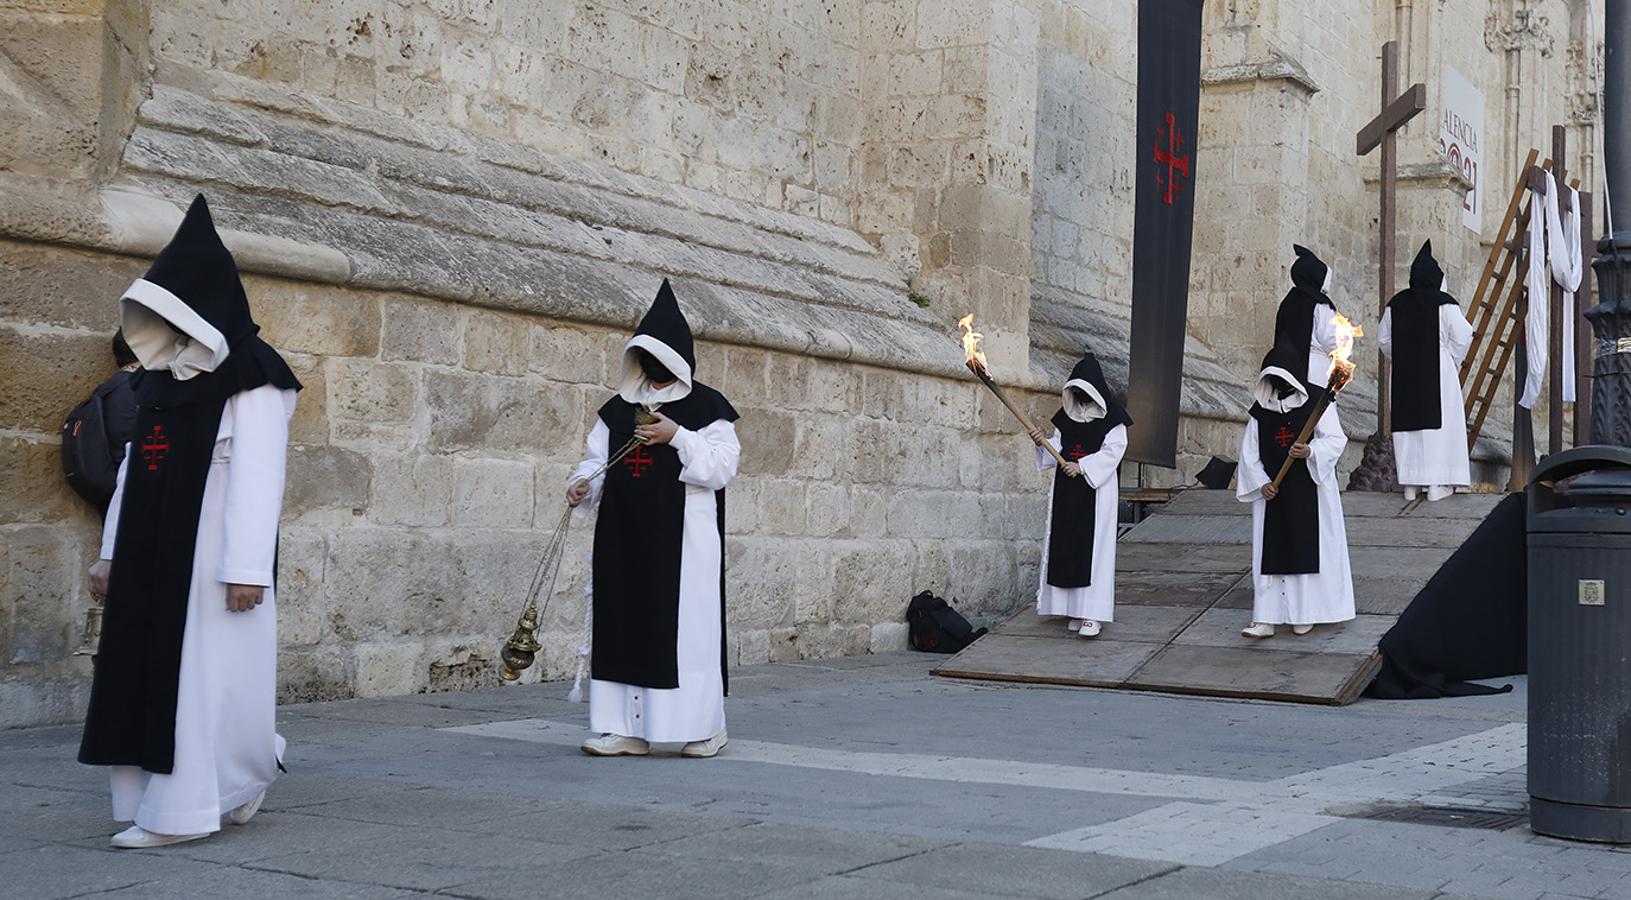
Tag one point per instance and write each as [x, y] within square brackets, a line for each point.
[1263, 392]
[1094, 408]
[1326, 287]
[144, 309]
[635, 387]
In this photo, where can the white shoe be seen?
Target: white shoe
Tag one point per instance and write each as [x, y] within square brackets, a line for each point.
[615, 745]
[243, 814]
[1257, 630]
[1089, 629]
[1300, 630]
[138, 838]
[707, 749]
[1074, 625]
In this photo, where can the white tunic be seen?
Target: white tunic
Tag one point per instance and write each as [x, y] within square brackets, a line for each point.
[1436, 458]
[1315, 598]
[694, 711]
[226, 747]
[1097, 601]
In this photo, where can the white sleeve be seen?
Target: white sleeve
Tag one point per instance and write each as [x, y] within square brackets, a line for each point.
[1249, 475]
[1384, 333]
[110, 525]
[254, 490]
[1044, 459]
[1326, 447]
[1325, 328]
[1455, 331]
[708, 457]
[1100, 468]
[599, 451]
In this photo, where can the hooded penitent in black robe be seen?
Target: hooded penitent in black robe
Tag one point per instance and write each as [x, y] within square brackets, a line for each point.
[1417, 405]
[641, 532]
[1294, 322]
[1300, 568]
[1072, 519]
[1291, 532]
[194, 288]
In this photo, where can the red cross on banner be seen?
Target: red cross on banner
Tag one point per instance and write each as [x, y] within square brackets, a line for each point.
[154, 447]
[637, 462]
[1284, 436]
[1171, 156]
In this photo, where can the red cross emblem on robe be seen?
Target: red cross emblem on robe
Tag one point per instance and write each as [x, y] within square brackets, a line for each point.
[1076, 452]
[1172, 156]
[1284, 437]
[154, 446]
[638, 461]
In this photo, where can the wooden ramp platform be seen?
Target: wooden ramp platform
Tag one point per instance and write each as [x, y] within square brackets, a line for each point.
[1183, 593]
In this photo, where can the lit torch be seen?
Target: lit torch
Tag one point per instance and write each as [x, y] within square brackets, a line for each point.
[1337, 378]
[976, 364]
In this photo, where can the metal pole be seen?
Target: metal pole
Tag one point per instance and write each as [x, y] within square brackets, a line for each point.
[1611, 317]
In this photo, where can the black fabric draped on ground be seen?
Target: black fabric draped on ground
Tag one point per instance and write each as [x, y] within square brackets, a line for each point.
[1470, 621]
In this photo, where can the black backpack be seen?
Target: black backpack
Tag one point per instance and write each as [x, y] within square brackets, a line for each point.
[937, 628]
[89, 459]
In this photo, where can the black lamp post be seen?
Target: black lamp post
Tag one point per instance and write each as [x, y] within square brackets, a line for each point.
[1611, 317]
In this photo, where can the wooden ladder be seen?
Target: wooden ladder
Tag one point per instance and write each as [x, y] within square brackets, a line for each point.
[1498, 307]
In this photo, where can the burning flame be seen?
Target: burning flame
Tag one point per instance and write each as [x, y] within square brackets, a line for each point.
[971, 341]
[1342, 356]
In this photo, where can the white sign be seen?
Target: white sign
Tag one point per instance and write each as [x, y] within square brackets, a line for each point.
[1461, 138]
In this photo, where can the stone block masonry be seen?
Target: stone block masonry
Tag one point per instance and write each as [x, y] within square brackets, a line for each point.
[427, 464]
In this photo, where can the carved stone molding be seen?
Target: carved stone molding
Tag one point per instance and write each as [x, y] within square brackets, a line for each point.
[1277, 67]
[1526, 30]
[1585, 70]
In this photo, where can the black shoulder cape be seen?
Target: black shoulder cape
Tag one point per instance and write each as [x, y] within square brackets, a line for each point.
[1417, 405]
[1291, 521]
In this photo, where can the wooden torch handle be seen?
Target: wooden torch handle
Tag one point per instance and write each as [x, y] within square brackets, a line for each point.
[1018, 413]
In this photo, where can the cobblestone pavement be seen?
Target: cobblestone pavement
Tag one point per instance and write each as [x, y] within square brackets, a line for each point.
[864, 777]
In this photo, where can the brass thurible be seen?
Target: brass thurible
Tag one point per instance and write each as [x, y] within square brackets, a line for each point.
[522, 647]
[92, 638]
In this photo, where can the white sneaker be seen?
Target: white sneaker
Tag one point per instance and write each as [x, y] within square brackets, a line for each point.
[615, 745]
[707, 749]
[1300, 630]
[243, 814]
[1074, 625]
[138, 838]
[1257, 630]
[1089, 629]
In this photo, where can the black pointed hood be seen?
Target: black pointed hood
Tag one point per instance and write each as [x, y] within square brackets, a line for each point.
[188, 321]
[1426, 283]
[665, 335]
[1309, 271]
[1088, 376]
[1288, 365]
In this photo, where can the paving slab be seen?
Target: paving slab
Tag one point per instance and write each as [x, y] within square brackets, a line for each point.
[57, 871]
[248, 884]
[1221, 628]
[825, 850]
[1187, 884]
[846, 887]
[637, 875]
[1249, 672]
[1022, 871]
[1065, 660]
[604, 827]
[420, 859]
[1145, 588]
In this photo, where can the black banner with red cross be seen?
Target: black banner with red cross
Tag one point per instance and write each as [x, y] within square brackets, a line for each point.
[1169, 80]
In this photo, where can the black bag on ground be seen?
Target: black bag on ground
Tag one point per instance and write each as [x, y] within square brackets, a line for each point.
[937, 628]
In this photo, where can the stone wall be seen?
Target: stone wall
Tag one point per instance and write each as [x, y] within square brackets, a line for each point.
[736, 97]
[428, 458]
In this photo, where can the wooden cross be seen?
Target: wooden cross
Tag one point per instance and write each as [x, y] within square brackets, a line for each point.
[1397, 109]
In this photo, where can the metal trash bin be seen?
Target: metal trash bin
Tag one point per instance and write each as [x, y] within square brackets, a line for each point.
[1580, 645]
